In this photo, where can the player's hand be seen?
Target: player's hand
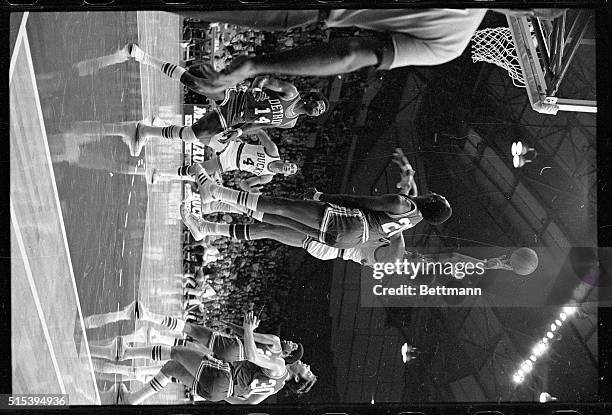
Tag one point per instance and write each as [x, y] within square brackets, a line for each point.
[259, 95]
[251, 322]
[400, 159]
[231, 134]
[240, 69]
[309, 193]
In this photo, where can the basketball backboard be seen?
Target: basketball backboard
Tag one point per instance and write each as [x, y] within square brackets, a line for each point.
[544, 60]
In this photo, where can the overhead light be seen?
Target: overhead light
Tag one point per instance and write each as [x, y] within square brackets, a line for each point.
[544, 340]
[518, 379]
[569, 310]
[550, 335]
[558, 323]
[545, 397]
[563, 316]
[553, 327]
[533, 358]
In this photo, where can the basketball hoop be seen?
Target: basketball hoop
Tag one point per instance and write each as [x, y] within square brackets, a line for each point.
[495, 45]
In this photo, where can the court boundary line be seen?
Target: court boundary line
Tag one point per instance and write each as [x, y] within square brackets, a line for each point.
[18, 42]
[41, 315]
[59, 207]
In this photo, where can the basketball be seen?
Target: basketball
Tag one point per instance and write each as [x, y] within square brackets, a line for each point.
[524, 261]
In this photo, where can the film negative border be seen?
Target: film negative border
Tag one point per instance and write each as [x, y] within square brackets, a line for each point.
[174, 5]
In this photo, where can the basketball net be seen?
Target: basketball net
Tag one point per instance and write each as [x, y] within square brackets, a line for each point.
[495, 45]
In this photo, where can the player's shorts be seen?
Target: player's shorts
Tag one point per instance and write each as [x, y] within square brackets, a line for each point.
[225, 347]
[231, 110]
[342, 227]
[213, 380]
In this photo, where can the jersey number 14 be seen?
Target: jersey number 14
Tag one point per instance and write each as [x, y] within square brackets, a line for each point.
[262, 119]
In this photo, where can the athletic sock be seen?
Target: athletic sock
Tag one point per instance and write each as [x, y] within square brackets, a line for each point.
[183, 171]
[159, 382]
[175, 132]
[241, 232]
[157, 352]
[173, 323]
[171, 70]
[160, 352]
[235, 197]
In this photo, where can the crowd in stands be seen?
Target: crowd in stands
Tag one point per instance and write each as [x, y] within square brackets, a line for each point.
[253, 275]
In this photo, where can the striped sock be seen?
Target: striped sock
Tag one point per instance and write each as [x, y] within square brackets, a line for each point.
[241, 232]
[173, 71]
[172, 132]
[160, 352]
[174, 324]
[183, 171]
[159, 382]
[236, 197]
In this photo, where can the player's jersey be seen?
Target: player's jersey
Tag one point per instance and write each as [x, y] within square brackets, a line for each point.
[242, 107]
[250, 379]
[363, 255]
[246, 157]
[383, 225]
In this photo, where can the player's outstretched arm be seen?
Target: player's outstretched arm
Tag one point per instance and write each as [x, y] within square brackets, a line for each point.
[285, 89]
[275, 365]
[261, 338]
[267, 142]
[394, 204]
[338, 56]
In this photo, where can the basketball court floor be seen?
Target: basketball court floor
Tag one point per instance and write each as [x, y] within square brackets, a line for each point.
[88, 235]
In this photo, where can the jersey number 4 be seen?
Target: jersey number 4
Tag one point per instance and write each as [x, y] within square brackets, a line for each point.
[389, 227]
[262, 388]
[248, 162]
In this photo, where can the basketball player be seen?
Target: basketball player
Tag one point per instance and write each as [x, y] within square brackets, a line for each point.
[262, 160]
[267, 103]
[245, 382]
[278, 228]
[404, 37]
[224, 347]
[341, 221]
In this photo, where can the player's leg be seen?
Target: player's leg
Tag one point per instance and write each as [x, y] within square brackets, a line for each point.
[200, 228]
[171, 70]
[270, 20]
[171, 369]
[92, 66]
[200, 334]
[139, 336]
[157, 338]
[201, 131]
[98, 128]
[306, 212]
[98, 320]
[127, 372]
